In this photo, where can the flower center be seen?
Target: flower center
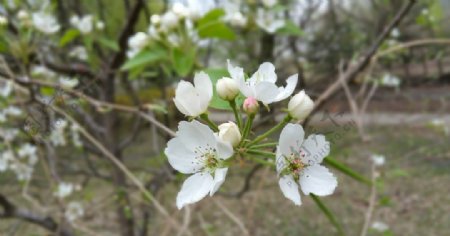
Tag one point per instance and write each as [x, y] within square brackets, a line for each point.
[295, 165]
[207, 158]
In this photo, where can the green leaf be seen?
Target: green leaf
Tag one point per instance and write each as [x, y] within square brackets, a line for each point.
[215, 75]
[328, 213]
[213, 15]
[216, 30]
[211, 26]
[290, 28]
[346, 170]
[68, 37]
[183, 61]
[111, 44]
[47, 91]
[144, 58]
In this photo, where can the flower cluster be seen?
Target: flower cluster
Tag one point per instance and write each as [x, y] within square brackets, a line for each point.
[207, 150]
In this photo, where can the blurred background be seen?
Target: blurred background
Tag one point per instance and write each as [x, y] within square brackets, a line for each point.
[83, 78]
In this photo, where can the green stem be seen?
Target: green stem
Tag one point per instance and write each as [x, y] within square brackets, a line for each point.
[211, 124]
[237, 115]
[248, 126]
[263, 145]
[262, 161]
[328, 213]
[262, 153]
[269, 132]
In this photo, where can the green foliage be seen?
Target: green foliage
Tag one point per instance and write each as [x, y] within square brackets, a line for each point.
[290, 28]
[215, 75]
[145, 57]
[68, 37]
[211, 26]
[183, 61]
[109, 43]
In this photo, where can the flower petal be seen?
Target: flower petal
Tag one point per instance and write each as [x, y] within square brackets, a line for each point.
[219, 178]
[181, 158]
[194, 189]
[285, 92]
[265, 73]
[291, 139]
[315, 148]
[224, 149]
[203, 86]
[266, 92]
[289, 188]
[317, 179]
[195, 135]
[280, 160]
[186, 99]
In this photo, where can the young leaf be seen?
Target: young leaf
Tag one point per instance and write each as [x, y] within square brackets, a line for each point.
[215, 75]
[213, 15]
[111, 44]
[68, 37]
[145, 57]
[328, 213]
[346, 170]
[290, 28]
[183, 61]
[216, 29]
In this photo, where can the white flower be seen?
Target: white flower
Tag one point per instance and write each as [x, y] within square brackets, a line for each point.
[298, 164]
[84, 24]
[12, 111]
[227, 89]
[268, 20]
[169, 20]
[67, 82]
[229, 132]
[269, 3]
[138, 40]
[237, 19]
[100, 25]
[3, 20]
[79, 52]
[6, 88]
[180, 10]
[23, 171]
[5, 158]
[57, 136]
[196, 150]
[76, 135]
[261, 84]
[64, 190]
[155, 19]
[379, 226]
[8, 134]
[23, 15]
[250, 105]
[300, 106]
[30, 151]
[45, 23]
[389, 80]
[74, 211]
[378, 160]
[193, 100]
[43, 71]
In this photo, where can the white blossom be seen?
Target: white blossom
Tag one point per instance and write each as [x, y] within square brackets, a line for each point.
[100, 25]
[84, 24]
[390, 80]
[42, 71]
[197, 150]
[6, 88]
[57, 135]
[74, 211]
[64, 190]
[298, 164]
[75, 130]
[230, 132]
[193, 100]
[12, 111]
[67, 82]
[28, 151]
[45, 23]
[378, 160]
[5, 158]
[268, 20]
[300, 106]
[379, 226]
[79, 52]
[261, 85]
[269, 3]
[3, 20]
[8, 134]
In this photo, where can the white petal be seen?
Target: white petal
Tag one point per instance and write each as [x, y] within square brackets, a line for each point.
[318, 180]
[203, 86]
[289, 188]
[186, 99]
[291, 139]
[266, 92]
[236, 72]
[315, 148]
[285, 92]
[181, 158]
[280, 160]
[195, 134]
[224, 149]
[266, 72]
[219, 178]
[194, 189]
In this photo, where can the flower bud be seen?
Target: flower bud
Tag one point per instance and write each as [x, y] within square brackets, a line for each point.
[230, 132]
[155, 19]
[227, 89]
[180, 10]
[251, 105]
[300, 106]
[23, 15]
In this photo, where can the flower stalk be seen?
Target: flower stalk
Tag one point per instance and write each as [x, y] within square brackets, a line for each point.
[237, 115]
[271, 131]
[211, 124]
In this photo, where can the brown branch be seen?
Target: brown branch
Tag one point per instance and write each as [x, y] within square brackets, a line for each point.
[10, 211]
[354, 70]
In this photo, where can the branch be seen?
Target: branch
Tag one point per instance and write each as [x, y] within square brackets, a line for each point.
[11, 211]
[354, 70]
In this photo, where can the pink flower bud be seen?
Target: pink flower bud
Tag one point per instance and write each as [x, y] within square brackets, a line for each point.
[251, 105]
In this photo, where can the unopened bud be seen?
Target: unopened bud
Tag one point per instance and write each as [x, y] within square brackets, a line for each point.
[230, 132]
[227, 89]
[300, 106]
[251, 105]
